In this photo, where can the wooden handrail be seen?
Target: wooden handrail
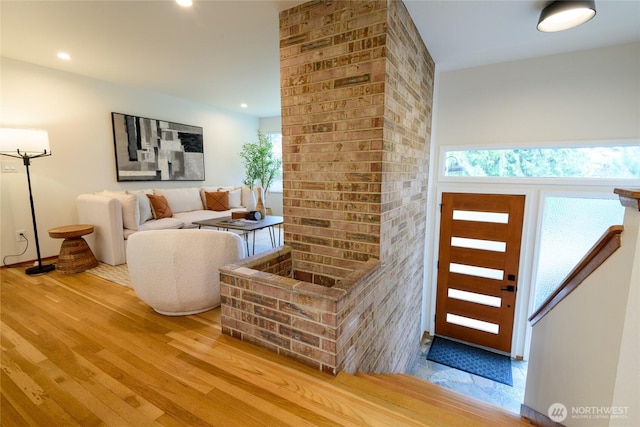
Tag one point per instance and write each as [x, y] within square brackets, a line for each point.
[599, 252]
[629, 198]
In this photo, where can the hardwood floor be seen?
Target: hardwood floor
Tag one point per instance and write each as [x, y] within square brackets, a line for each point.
[80, 350]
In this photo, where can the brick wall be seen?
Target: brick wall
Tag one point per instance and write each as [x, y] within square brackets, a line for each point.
[264, 305]
[357, 85]
[333, 59]
[356, 111]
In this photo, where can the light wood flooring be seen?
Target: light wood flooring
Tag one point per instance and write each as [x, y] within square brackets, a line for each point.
[80, 350]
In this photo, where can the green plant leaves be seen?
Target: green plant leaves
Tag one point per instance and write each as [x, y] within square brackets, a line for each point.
[261, 164]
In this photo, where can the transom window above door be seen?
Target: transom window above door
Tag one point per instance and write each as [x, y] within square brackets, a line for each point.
[595, 162]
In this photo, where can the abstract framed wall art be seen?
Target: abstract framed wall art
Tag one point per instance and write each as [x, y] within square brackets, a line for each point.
[157, 150]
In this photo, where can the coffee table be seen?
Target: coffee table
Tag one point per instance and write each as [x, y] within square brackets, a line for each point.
[246, 226]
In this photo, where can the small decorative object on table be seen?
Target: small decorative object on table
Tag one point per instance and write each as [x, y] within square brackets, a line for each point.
[240, 215]
[260, 204]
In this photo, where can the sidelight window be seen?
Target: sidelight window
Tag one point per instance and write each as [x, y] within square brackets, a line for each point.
[567, 236]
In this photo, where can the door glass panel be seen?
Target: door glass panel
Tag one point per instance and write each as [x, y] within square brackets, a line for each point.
[470, 270]
[501, 218]
[570, 227]
[474, 297]
[487, 245]
[473, 323]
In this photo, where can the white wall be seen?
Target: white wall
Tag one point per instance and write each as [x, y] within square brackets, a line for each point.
[627, 386]
[582, 96]
[271, 124]
[587, 95]
[76, 111]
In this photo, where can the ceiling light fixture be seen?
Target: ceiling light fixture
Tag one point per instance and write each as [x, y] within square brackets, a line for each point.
[564, 14]
[64, 56]
[184, 3]
[243, 105]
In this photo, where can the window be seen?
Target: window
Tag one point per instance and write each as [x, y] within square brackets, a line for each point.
[567, 236]
[276, 139]
[603, 162]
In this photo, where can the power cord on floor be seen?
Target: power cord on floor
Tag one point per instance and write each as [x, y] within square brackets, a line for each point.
[4, 262]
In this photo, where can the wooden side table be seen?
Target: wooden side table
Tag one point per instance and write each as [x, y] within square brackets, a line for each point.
[75, 254]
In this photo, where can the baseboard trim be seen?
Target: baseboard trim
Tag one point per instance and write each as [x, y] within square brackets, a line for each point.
[537, 418]
[46, 260]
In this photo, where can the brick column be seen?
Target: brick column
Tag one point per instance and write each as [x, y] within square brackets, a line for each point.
[357, 85]
[356, 111]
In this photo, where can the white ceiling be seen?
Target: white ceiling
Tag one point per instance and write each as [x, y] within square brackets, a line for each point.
[223, 53]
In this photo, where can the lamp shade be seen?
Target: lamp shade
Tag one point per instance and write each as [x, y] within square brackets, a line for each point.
[564, 14]
[24, 142]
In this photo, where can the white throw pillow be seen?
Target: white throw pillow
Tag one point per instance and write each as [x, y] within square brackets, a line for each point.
[235, 198]
[130, 208]
[143, 204]
[182, 199]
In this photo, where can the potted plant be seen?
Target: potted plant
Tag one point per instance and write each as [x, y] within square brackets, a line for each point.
[261, 165]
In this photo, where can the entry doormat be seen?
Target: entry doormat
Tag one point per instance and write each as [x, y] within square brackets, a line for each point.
[473, 360]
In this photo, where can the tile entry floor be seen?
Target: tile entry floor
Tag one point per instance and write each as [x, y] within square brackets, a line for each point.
[472, 385]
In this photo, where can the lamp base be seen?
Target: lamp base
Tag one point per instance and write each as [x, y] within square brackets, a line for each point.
[40, 269]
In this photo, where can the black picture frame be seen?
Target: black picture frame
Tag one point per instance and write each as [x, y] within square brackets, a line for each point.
[157, 150]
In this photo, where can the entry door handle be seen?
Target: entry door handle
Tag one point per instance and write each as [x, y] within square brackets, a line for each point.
[509, 288]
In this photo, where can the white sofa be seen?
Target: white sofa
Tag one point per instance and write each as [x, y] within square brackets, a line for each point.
[116, 215]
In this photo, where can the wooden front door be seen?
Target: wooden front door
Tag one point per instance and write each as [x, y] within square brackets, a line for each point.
[478, 267]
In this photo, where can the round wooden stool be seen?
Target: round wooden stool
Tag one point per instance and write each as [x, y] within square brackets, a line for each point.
[75, 254]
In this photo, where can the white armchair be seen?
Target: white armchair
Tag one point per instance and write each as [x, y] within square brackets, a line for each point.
[176, 271]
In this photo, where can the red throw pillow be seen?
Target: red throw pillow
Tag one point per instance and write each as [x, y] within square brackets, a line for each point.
[217, 200]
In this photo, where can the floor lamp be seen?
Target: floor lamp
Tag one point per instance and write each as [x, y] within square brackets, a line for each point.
[27, 144]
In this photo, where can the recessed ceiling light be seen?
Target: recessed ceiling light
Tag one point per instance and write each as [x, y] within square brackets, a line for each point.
[64, 55]
[184, 3]
[243, 105]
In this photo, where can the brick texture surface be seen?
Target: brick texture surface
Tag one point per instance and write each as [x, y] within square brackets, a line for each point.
[356, 86]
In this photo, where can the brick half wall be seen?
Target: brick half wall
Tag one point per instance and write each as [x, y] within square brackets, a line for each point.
[352, 326]
[313, 324]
